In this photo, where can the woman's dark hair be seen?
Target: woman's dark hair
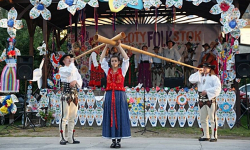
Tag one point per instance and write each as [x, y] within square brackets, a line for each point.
[212, 72]
[115, 56]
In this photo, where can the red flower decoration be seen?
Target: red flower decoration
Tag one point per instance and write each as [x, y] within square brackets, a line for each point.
[147, 89]
[215, 129]
[201, 130]
[12, 53]
[93, 88]
[224, 7]
[74, 130]
[61, 131]
[137, 89]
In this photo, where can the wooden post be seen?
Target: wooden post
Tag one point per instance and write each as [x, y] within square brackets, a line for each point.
[31, 28]
[45, 66]
[58, 40]
[236, 85]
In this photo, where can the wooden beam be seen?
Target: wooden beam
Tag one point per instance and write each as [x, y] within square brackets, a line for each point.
[24, 11]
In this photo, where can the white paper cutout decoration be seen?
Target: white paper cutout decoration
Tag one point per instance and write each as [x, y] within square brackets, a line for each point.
[172, 96]
[149, 3]
[42, 49]
[11, 23]
[172, 116]
[182, 116]
[82, 114]
[176, 3]
[40, 8]
[198, 2]
[231, 22]
[99, 110]
[191, 115]
[162, 99]
[162, 116]
[44, 101]
[223, 7]
[133, 115]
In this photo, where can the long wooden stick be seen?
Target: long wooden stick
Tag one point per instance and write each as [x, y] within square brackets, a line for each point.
[99, 38]
[117, 37]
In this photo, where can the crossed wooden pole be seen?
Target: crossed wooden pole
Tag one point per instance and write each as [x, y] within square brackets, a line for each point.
[113, 41]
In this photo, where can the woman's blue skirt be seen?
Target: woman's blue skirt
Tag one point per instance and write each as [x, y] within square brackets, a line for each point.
[122, 116]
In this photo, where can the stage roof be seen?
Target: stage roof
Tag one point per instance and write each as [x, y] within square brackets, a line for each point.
[189, 13]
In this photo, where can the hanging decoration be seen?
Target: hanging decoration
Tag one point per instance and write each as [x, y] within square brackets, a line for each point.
[42, 49]
[136, 4]
[54, 59]
[148, 3]
[176, 3]
[198, 2]
[73, 5]
[11, 23]
[40, 8]
[232, 23]
[116, 6]
[223, 7]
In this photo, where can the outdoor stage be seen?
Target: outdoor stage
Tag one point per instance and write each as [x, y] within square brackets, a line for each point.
[140, 143]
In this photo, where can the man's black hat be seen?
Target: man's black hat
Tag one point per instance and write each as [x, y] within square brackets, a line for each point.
[171, 41]
[62, 58]
[209, 65]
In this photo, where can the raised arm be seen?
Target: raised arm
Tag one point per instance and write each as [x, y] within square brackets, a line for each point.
[103, 53]
[124, 54]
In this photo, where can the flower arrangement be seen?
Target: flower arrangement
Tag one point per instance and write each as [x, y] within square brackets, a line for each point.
[130, 102]
[46, 116]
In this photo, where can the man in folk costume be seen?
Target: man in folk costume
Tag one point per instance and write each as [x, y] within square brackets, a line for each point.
[96, 72]
[144, 67]
[203, 53]
[173, 54]
[156, 68]
[209, 87]
[70, 81]
[188, 55]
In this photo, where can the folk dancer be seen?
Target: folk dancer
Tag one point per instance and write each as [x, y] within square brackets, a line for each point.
[116, 124]
[209, 87]
[70, 81]
[203, 53]
[96, 72]
[171, 53]
[144, 66]
[157, 69]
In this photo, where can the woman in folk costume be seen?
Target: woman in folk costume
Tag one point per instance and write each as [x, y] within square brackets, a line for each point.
[209, 87]
[70, 81]
[9, 82]
[144, 67]
[116, 124]
[131, 78]
[96, 72]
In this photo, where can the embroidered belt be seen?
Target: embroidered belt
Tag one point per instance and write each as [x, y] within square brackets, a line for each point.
[69, 94]
[206, 101]
[157, 65]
